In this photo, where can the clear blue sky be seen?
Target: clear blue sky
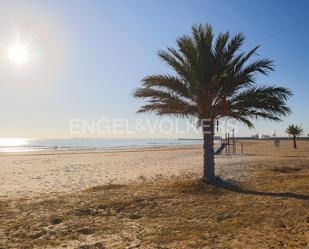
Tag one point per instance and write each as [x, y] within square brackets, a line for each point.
[88, 56]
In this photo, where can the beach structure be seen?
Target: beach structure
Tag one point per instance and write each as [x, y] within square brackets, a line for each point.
[227, 145]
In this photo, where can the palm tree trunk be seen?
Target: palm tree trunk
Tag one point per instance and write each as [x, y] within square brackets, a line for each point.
[294, 139]
[209, 162]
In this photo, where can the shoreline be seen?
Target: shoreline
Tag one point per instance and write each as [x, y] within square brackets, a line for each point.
[29, 174]
[99, 150]
[34, 145]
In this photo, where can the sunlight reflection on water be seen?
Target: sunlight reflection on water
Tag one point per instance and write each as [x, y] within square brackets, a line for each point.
[12, 142]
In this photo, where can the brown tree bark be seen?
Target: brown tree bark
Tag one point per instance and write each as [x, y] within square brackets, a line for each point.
[208, 146]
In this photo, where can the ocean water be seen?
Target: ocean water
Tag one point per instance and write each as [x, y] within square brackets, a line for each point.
[24, 145]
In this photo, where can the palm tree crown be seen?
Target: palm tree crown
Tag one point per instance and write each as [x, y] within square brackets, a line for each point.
[294, 130]
[212, 79]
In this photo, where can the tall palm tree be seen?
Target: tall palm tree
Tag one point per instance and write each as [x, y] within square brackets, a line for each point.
[213, 78]
[294, 131]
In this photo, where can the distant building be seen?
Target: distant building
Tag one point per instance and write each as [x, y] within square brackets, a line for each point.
[255, 136]
[265, 136]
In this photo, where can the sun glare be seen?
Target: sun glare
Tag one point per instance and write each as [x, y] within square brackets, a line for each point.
[18, 53]
[10, 142]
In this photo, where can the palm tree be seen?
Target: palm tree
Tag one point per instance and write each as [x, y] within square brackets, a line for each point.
[294, 131]
[213, 79]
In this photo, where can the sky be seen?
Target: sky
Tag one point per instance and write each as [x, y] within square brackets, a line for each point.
[87, 57]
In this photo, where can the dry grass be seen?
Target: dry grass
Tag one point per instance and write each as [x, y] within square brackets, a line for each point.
[271, 210]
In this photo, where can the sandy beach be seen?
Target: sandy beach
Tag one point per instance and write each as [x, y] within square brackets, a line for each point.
[153, 198]
[66, 171]
[31, 173]
[122, 198]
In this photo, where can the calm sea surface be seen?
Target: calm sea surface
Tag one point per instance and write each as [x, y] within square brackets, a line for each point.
[18, 144]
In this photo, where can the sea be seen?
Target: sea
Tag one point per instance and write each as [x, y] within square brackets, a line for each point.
[25, 144]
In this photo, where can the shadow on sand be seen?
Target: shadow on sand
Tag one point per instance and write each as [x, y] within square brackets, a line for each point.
[218, 182]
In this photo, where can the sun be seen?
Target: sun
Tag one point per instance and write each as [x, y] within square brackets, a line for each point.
[18, 53]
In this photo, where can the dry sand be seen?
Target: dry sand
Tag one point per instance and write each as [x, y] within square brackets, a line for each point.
[66, 171]
[268, 209]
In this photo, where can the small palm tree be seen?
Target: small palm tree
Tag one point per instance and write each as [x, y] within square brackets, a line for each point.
[294, 131]
[213, 78]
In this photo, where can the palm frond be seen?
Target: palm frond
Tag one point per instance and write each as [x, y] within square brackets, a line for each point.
[213, 78]
[233, 46]
[168, 83]
[265, 102]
